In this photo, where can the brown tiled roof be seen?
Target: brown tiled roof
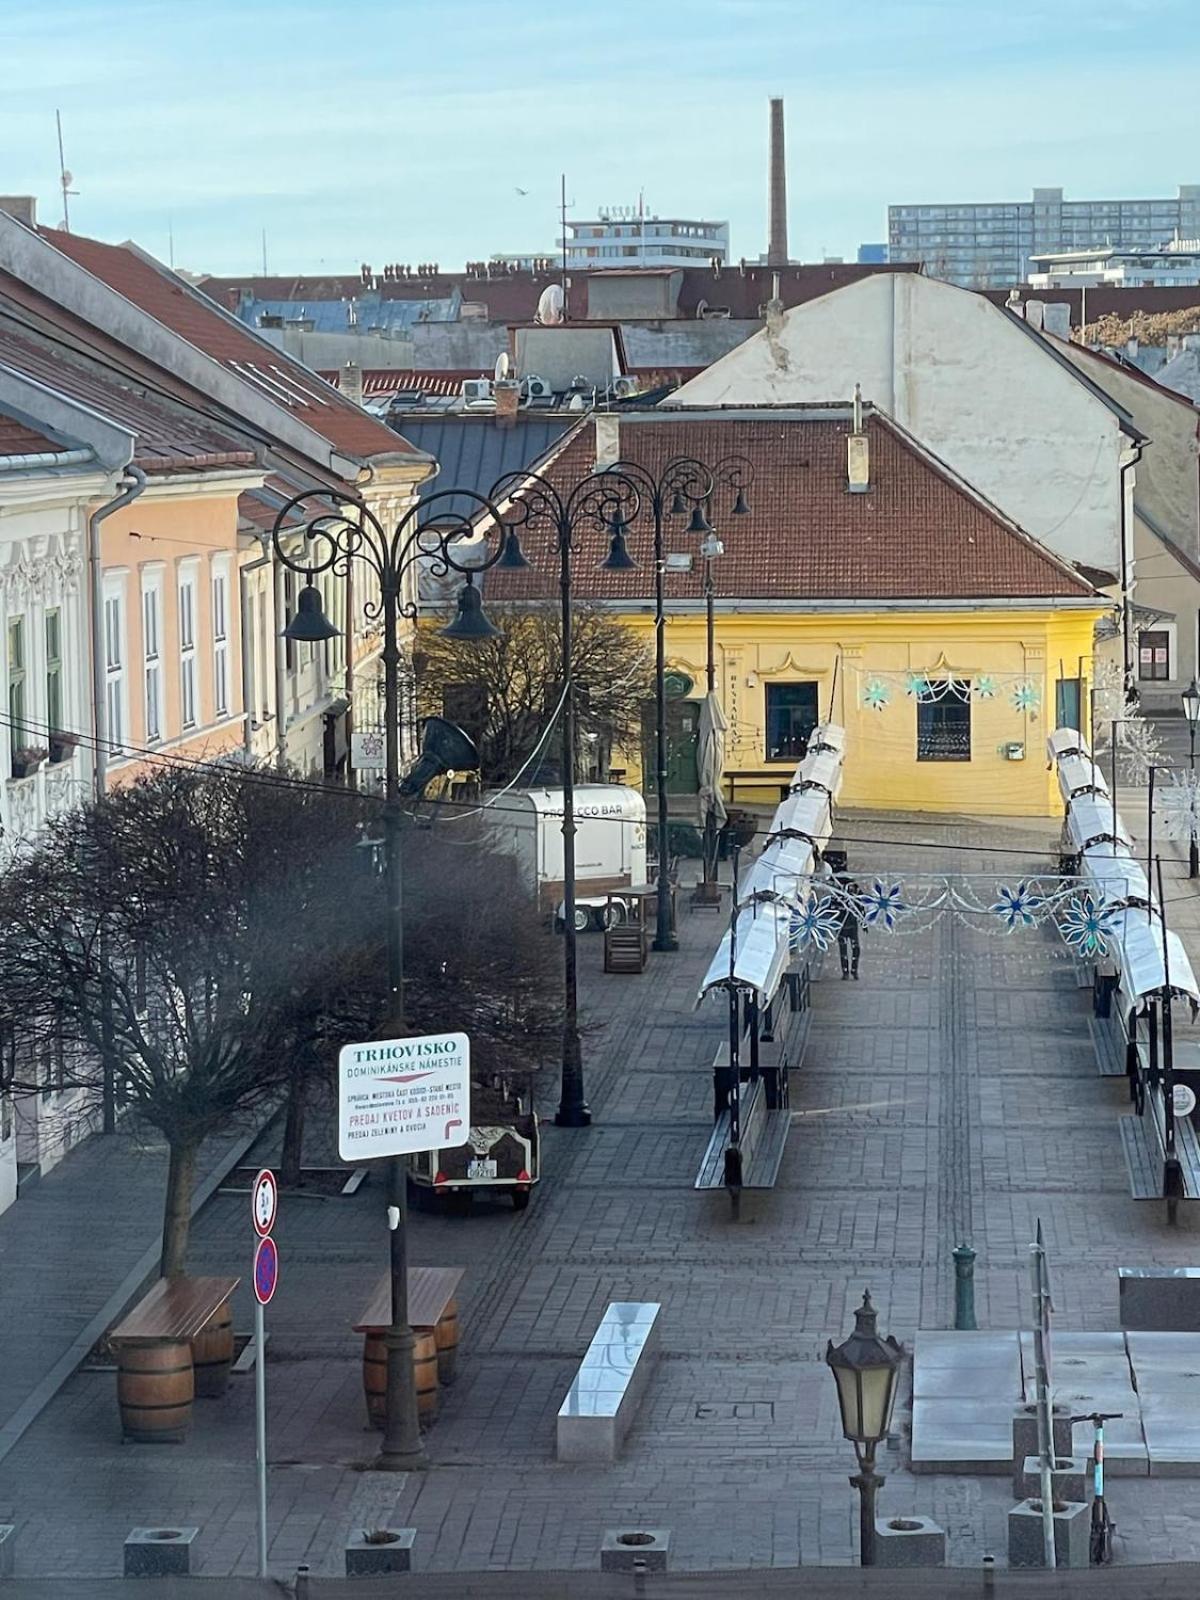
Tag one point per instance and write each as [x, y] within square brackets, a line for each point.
[18, 440]
[284, 380]
[919, 533]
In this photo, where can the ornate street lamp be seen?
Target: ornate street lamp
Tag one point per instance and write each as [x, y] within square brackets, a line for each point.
[334, 539]
[1191, 710]
[867, 1371]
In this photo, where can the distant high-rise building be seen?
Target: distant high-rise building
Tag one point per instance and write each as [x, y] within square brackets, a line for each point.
[628, 236]
[988, 245]
[872, 255]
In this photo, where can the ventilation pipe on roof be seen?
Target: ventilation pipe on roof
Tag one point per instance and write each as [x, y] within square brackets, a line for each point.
[858, 450]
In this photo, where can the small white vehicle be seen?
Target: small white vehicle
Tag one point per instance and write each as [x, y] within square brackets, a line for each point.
[610, 846]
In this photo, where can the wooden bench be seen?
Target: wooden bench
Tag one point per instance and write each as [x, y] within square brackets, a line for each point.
[177, 1342]
[599, 1406]
[1110, 1048]
[1143, 1139]
[763, 1137]
[433, 1317]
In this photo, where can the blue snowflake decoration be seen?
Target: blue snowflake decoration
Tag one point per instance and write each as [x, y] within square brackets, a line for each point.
[882, 904]
[985, 687]
[1026, 697]
[1087, 925]
[1017, 907]
[875, 695]
[815, 920]
[918, 686]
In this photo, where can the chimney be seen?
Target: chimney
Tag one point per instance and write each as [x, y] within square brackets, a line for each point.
[777, 245]
[608, 439]
[351, 383]
[21, 206]
[858, 450]
[506, 392]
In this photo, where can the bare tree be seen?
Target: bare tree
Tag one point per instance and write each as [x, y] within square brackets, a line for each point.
[504, 690]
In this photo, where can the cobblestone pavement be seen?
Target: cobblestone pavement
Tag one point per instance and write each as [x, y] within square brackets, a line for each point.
[951, 1093]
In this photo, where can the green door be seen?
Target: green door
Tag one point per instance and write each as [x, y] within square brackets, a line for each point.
[683, 736]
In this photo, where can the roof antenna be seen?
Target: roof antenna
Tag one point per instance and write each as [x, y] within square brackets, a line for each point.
[65, 178]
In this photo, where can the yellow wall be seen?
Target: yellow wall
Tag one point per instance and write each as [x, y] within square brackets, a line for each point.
[842, 651]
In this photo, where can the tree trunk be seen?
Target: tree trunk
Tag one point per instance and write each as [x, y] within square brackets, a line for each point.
[177, 1212]
[292, 1157]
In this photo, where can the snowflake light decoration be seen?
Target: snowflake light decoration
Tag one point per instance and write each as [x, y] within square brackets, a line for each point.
[1179, 801]
[816, 920]
[985, 687]
[917, 686]
[1087, 924]
[875, 695]
[1025, 697]
[882, 904]
[1017, 907]
[1139, 747]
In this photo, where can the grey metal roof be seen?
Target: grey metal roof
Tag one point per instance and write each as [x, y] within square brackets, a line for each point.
[472, 452]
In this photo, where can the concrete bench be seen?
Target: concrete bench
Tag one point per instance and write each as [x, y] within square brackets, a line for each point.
[600, 1404]
[1159, 1299]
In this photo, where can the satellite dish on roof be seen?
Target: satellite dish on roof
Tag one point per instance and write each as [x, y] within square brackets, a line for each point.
[501, 365]
[550, 305]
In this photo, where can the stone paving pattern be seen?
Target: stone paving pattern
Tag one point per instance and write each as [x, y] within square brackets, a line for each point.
[951, 1092]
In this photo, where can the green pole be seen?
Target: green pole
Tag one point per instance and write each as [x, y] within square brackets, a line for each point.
[964, 1289]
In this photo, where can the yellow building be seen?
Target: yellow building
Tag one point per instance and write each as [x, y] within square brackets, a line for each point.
[866, 583]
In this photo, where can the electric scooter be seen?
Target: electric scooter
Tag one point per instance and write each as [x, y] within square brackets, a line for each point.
[1103, 1527]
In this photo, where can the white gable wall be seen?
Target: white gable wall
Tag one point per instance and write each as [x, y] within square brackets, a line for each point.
[976, 389]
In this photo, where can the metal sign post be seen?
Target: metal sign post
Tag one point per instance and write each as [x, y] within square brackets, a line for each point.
[1041, 1359]
[264, 1205]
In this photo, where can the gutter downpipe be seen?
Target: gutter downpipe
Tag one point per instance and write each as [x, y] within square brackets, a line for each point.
[100, 753]
[249, 705]
[1126, 564]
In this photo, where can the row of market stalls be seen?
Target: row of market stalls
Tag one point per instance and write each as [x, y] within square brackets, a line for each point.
[764, 981]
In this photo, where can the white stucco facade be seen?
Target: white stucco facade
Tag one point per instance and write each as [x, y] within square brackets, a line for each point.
[974, 384]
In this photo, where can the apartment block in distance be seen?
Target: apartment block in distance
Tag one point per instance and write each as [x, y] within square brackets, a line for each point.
[627, 236]
[988, 245]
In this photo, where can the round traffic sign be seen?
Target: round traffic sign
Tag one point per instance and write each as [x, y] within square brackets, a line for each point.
[266, 1270]
[264, 1202]
[1185, 1100]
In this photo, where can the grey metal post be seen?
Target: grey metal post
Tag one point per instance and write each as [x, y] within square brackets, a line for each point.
[260, 1430]
[1037, 1267]
[964, 1288]
[664, 935]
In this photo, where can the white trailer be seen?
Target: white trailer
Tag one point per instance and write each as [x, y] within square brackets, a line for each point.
[610, 844]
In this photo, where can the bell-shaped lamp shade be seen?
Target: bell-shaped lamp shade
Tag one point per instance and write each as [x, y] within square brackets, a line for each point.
[740, 507]
[866, 1369]
[310, 625]
[699, 523]
[512, 557]
[678, 504]
[618, 558]
[471, 623]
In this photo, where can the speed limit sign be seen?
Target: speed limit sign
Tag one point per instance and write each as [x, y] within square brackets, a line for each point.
[264, 1202]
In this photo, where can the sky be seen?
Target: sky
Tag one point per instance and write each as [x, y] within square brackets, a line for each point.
[402, 130]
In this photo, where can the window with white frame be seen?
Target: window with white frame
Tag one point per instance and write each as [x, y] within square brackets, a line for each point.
[220, 628]
[114, 662]
[152, 653]
[16, 684]
[54, 670]
[187, 643]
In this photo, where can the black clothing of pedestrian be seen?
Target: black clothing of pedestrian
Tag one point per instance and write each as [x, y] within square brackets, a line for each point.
[847, 937]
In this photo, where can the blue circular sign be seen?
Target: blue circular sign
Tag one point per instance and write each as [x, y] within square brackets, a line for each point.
[266, 1271]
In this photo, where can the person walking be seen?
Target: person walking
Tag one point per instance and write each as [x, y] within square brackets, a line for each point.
[848, 931]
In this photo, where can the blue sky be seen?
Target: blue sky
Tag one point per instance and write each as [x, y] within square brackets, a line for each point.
[401, 131]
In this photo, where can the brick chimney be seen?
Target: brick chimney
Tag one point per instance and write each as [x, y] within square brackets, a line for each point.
[608, 439]
[777, 244]
[351, 383]
[858, 450]
[507, 394]
[21, 206]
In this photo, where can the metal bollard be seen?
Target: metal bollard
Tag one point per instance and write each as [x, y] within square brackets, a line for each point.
[302, 1581]
[989, 1574]
[964, 1288]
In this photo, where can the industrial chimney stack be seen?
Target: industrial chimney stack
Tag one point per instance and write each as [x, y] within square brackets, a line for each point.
[777, 245]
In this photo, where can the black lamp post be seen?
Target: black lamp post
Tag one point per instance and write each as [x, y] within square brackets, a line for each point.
[867, 1370]
[334, 540]
[1191, 710]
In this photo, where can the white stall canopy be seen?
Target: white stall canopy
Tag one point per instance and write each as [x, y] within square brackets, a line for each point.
[1090, 820]
[824, 770]
[1113, 871]
[807, 814]
[1136, 943]
[1077, 775]
[827, 736]
[1066, 742]
[782, 869]
[763, 952]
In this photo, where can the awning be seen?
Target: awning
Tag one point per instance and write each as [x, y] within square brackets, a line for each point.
[1079, 775]
[1136, 941]
[763, 952]
[822, 770]
[1090, 820]
[807, 814]
[827, 736]
[779, 869]
[1116, 874]
[1066, 742]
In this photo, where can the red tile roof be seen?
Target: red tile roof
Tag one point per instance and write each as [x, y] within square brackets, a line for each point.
[918, 533]
[186, 312]
[18, 440]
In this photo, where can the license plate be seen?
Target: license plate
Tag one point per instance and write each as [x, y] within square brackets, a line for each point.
[481, 1169]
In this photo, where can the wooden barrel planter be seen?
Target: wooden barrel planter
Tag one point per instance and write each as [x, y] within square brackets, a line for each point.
[155, 1386]
[425, 1377]
[212, 1355]
[446, 1337]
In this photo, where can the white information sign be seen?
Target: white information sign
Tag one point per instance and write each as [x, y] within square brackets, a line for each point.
[367, 751]
[1185, 1100]
[399, 1096]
